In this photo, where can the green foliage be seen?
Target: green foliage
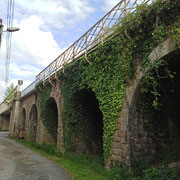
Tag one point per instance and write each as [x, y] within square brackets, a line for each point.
[121, 173]
[9, 90]
[168, 153]
[71, 85]
[161, 174]
[108, 85]
[48, 148]
[9, 94]
[155, 88]
[112, 64]
[47, 116]
[139, 166]
[95, 161]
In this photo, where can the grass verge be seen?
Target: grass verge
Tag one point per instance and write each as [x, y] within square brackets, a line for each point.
[83, 167]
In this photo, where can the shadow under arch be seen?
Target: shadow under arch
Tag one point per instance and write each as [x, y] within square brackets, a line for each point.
[33, 119]
[50, 117]
[86, 123]
[23, 119]
[153, 129]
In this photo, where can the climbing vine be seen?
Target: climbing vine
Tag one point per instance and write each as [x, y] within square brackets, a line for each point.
[154, 89]
[112, 64]
[44, 92]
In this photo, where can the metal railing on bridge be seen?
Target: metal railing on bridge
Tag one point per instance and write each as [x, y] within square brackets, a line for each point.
[29, 89]
[95, 35]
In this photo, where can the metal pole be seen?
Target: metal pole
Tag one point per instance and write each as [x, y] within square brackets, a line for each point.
[86, 46]
[1, 31]
[102, 32]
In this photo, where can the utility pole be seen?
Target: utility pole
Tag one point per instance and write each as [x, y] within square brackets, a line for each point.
[1, 31]
[9, 30]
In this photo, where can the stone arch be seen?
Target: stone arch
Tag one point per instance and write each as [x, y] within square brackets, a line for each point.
[159, 52]
[87, 123]
[50, 117]
[23, 119]
[141, 141]
[32, 125]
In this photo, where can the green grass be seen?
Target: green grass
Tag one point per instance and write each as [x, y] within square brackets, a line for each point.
[83, 167]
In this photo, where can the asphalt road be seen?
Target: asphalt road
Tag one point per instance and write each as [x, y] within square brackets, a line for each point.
[19, 163]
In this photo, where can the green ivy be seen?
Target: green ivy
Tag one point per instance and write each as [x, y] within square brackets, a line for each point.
[112, 64]
[154, 88]
[44, 92]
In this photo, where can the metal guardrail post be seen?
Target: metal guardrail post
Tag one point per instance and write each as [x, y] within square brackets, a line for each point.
[43, 78]
[86, 46]
[102, 32]
[73, 52]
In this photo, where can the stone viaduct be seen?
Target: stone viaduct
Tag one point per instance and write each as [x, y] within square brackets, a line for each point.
[130, 137]
[5, 109]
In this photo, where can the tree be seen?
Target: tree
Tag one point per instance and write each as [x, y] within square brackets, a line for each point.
[9, 90]
[9, 93]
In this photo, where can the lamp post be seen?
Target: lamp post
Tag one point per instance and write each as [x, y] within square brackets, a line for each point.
[9, 29]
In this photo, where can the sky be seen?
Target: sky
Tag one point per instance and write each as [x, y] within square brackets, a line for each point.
[47, 28]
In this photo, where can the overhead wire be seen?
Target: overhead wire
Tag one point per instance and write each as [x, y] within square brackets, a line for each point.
[10, 17]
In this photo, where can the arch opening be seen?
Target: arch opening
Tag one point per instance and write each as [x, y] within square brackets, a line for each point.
[23, 119]
[154, 115]
[33, 123]
[87, 123]
[50, 117]
[4, 121]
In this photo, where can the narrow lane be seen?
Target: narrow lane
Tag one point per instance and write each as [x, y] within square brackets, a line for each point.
[19, 163]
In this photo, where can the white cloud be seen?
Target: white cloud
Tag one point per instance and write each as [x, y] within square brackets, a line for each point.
[108, 5]
[26, 71]
[55, 14]
[2, 88]
[34, 44]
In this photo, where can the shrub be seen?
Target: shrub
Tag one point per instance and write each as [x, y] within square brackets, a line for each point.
[121, 173]
[161, 174]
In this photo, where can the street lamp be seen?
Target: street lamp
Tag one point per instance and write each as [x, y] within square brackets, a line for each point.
[10, 29]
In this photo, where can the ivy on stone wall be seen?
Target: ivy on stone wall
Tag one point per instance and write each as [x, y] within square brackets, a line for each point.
[44, 92]
[154, 90]
[112, 64]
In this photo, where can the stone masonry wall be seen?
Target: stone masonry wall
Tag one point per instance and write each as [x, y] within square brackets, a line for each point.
[14, 115]
[4, 122]
[27, 103]
[42, 135]
[56, 94]
[130, 139]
